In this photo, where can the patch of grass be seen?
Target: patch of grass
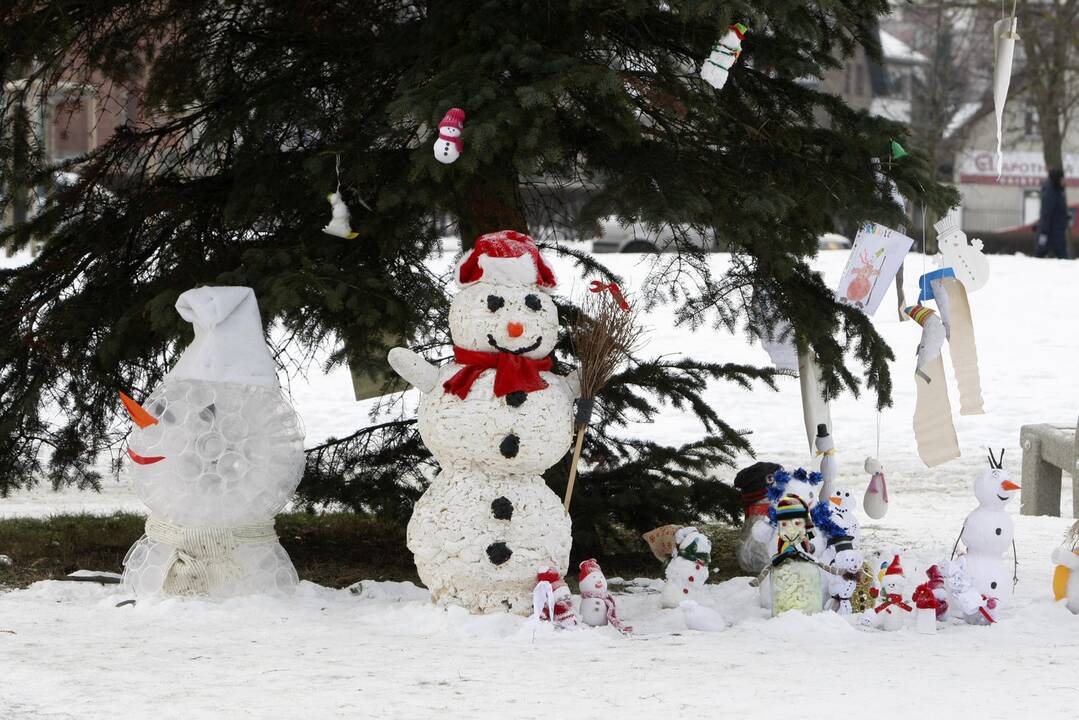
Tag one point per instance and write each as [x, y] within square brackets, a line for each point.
[331, 549]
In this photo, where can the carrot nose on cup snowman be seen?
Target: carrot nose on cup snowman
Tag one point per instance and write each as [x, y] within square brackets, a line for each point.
[217, 451]
[494, 418]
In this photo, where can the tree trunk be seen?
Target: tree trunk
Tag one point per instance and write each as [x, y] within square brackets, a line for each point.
[492, 202]
[1047, 33]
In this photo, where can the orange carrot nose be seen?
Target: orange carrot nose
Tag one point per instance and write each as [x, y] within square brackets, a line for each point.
[836, 500]
[138, 413]
[515, 329]
[1009, 485]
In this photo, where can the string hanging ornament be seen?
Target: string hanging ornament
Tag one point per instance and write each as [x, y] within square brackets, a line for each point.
[339, 225]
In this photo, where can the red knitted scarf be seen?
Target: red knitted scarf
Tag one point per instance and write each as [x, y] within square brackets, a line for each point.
[513, 373]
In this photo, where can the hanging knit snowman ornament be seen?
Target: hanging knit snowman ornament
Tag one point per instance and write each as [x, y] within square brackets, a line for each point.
[597, 604]
[217, 452]
[494, 418]
[688, 568]
[716, 67]
[449, 146]
[339, 216]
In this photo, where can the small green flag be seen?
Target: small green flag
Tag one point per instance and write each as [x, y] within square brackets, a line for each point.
[897, 151]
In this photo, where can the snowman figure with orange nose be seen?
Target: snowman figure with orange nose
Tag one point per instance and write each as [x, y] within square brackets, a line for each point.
[495, 417]
[988, 533]
[892, 610]
[216, 452]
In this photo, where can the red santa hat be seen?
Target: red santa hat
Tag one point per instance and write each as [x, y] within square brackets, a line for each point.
[550, 575]
[587, 568]
[895, 568]
[507, 257]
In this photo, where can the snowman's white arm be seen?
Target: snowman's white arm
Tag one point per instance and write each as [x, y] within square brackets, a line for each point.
[418, 372]
[1067, 558]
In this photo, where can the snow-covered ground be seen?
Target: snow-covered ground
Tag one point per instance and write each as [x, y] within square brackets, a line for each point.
[387, 653]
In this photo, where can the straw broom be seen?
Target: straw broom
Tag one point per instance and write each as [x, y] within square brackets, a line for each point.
[605, 334]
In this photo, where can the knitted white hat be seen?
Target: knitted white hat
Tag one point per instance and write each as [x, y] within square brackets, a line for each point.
[229, 344]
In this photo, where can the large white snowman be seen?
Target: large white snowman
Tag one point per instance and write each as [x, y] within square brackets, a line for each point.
[494, 418]
[217, 451]
[988, 533]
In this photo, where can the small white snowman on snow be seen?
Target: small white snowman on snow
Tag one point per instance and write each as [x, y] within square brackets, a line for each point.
[494, 418]
[988, 532]
[597, 604]
[217, 452]
[891, 611]
[688, 568]
[449, 146]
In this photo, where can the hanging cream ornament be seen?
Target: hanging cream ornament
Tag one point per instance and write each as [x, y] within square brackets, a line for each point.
[339, 218]
[1004, 37]
[934, 431]
[717, 66]
[875, 501]
[449, 146]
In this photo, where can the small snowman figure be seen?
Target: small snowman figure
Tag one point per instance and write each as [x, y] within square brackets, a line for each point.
[688, 568]
[449, 145]
[717, 66]
[838, 524]
[752, 482]
[891, 612]
[339, 218]
[552, 596]
[988, 532]
[217, 452]
[963, 599]
[494, 418]
[597, 603]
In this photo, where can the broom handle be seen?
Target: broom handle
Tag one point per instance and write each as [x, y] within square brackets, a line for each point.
[573, 465]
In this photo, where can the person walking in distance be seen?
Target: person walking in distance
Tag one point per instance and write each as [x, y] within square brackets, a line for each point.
[1053, 221]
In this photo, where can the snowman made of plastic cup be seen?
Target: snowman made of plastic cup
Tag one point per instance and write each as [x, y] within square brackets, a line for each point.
[216, 453]
[988, 533]
[495, 417]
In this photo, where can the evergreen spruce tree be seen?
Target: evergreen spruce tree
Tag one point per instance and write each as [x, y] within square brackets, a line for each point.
[246, 105]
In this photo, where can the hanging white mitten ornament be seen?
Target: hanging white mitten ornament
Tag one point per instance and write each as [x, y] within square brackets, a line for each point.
[339, 222]
[716, 68]
[449, 145]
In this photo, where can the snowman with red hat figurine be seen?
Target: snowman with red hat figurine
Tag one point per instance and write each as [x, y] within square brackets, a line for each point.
[552, 600]
[448, 146]
[494, 418]
[597, 604]
[892, 610]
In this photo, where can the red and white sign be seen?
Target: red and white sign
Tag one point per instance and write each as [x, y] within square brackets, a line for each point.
[1021, 169]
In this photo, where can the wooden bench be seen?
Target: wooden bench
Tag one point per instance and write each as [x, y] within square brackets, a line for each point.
[1047, 450]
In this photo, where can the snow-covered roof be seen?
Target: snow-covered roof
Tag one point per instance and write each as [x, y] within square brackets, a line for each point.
[889, 108]
[897, 51]
[962, 114]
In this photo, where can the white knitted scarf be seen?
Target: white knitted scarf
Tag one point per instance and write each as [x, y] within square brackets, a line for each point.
[202, 557]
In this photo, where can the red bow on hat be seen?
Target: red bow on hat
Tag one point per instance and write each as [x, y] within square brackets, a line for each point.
[513, 373]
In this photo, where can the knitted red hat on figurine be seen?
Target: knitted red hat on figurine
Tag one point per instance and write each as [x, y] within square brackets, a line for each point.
[895, 568]
[507, 257]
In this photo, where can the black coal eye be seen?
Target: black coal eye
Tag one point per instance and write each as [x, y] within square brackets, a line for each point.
[993, 585]
[533, 302]
[494, 302]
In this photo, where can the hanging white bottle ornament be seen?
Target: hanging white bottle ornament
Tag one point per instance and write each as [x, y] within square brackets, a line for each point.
[716, 67]
[449, 146]
[339, 219]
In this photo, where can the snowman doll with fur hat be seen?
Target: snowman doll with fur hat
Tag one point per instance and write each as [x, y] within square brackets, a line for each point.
[494, 418]
[217, 451]
[688, 568]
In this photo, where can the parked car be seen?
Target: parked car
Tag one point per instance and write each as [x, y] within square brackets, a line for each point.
[1024, 238]
[613, 237]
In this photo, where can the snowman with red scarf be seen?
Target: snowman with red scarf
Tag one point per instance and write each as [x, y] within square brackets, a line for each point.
[494, 418]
